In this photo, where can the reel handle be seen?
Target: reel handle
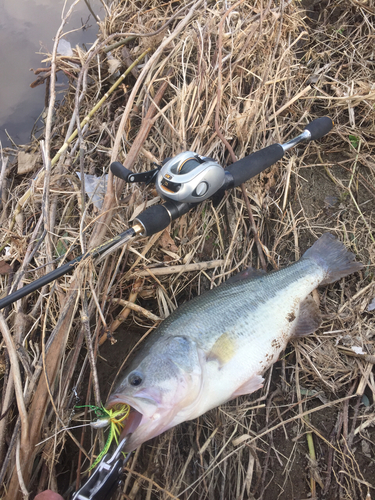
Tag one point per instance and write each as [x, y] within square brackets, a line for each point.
[120, 171]
[127, 175]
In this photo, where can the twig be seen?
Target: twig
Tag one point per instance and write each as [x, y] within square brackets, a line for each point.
[354, 200]
[333, 435]
[153, 59]
[9, 452]
[118, 44]
[97, 106]
[125, 311]
[182, 268]
[137, 308]
[4, 162]
[167, 493]
[97, 18]
[86, 329]
[8, 339]
[19, 472]
[54, 347]
[30, 253]
[6, 405]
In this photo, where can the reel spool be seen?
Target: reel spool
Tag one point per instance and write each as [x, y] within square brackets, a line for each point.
[189, 178]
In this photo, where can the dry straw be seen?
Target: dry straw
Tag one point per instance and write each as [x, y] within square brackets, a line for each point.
[223, 79]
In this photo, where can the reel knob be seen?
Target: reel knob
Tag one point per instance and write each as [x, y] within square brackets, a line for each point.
[201, 189]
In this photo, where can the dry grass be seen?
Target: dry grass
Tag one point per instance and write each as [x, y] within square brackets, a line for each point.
[262, 72]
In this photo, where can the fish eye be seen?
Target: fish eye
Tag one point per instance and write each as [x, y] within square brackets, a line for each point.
[135, 379]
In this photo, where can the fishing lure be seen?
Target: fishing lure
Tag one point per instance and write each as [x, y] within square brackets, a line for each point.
[113, 418]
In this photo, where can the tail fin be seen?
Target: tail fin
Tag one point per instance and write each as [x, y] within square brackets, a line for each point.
[329, 253]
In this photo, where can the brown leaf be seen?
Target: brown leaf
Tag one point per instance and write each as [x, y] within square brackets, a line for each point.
[5, 268]
[26, 162]
[167, 243]
[182, 226]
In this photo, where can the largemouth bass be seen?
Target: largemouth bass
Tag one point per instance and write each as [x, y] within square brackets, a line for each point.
[217, 346]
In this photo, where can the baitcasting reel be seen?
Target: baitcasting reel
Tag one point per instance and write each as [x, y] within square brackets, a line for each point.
[190, 178]
[185, 178]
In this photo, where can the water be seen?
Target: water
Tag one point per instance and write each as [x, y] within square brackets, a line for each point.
[27, 29]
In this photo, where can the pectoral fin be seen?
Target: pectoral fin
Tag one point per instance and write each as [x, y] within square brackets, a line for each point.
[223, 350]
[251, 385]
[309, 318]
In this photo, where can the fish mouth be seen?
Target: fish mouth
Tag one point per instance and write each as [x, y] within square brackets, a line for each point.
[133, 421]
[145, 421]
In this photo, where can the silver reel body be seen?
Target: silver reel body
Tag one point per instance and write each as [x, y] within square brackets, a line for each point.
[189, 178]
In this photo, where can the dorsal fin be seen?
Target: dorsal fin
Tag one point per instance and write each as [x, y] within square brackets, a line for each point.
[249, 273]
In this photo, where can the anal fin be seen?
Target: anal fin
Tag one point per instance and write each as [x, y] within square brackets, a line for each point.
[253, 384]
[309, 318]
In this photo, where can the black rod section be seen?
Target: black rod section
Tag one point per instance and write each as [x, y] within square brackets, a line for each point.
[64, 269]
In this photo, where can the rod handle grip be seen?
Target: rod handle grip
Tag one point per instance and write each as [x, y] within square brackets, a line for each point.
[158, 217]
[249, 166]
[319, 127]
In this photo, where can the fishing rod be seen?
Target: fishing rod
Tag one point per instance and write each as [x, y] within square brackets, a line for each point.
[183, 182]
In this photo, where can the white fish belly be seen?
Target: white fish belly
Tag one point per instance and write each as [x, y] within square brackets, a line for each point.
[260, 337]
